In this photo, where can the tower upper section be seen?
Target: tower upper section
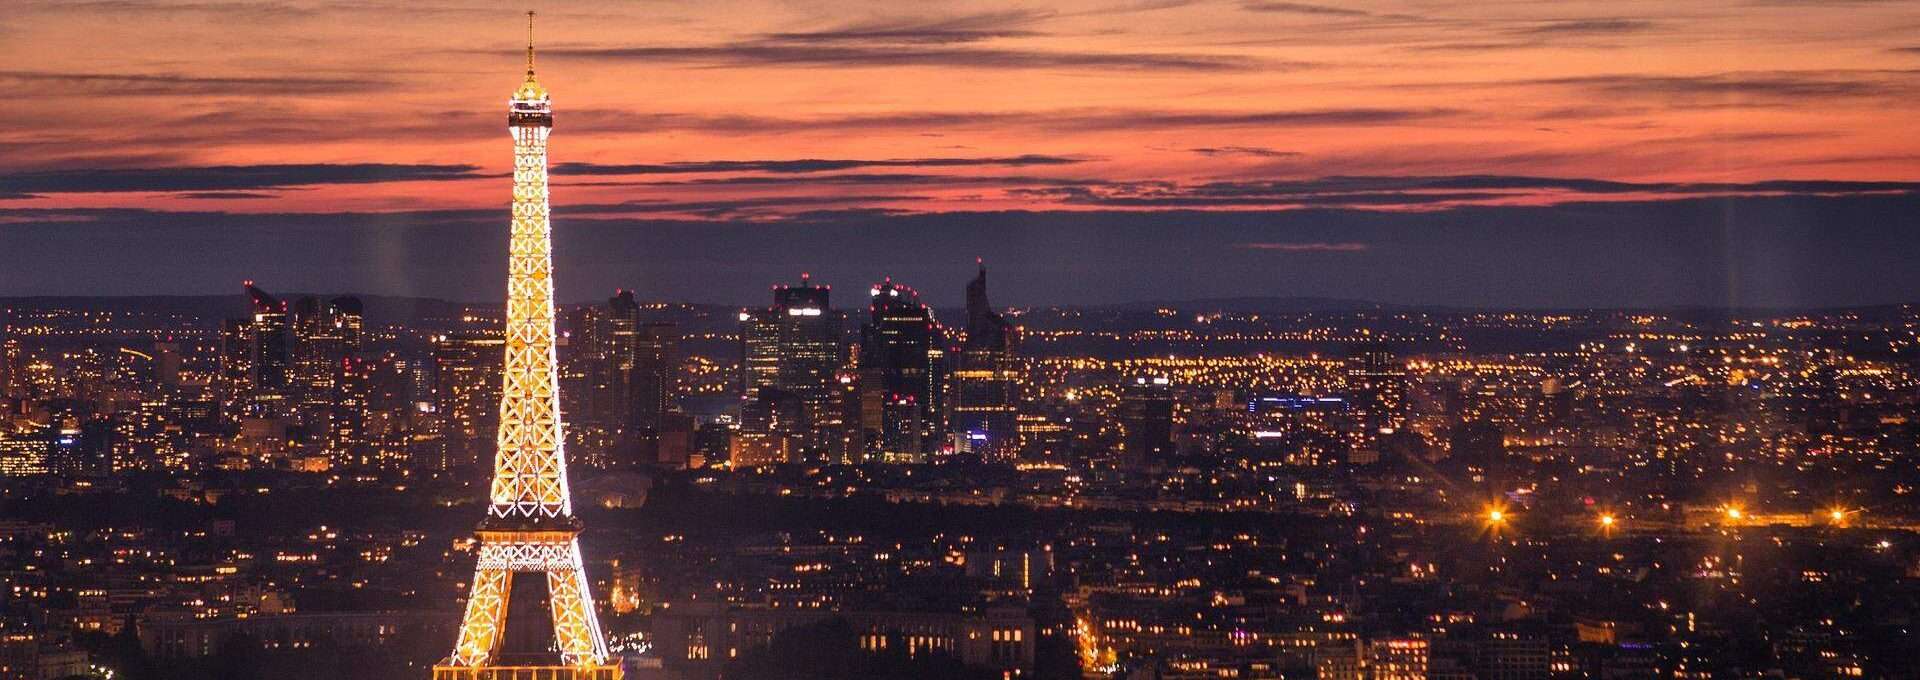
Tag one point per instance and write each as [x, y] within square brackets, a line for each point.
[530, 106]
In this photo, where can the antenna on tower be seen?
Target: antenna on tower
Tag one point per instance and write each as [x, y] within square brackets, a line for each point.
[529, 42]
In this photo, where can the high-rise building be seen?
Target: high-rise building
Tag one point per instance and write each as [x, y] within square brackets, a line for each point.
[1146, 422]
[653, 378]
[466, 398]
[258, 357]
[11, 361]
[327, 378]
[530, 527]
[794, 346]
[903, 369]
[1377, 389]
[986, 380]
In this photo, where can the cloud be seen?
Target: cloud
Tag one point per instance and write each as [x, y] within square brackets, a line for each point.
[225, 195]
[1301, 8]
[805, 165]
[834, 55]
[1587, 27]
[760, 207]
[226, 177]
[1424, 192]
[1790, 87]
[1905, 50]
[1307, 247]
[1067, 120]
[921, 30]
[1259, 151]
[1180, 198]
[855, 179]
[174, 85]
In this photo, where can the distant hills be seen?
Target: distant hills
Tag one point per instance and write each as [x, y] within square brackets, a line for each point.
[398, 309]
[1255, 305]
[379, 308]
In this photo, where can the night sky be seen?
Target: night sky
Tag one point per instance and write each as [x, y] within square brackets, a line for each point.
[1532, 154]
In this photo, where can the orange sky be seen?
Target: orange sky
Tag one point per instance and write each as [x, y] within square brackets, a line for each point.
[1080, 102]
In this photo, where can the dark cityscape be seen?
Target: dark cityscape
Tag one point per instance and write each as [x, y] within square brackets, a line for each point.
[1403, 405]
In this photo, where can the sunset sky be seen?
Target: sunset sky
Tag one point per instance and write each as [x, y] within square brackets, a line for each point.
[1529, 153]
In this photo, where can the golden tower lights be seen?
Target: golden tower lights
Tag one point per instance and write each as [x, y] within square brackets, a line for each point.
[529, 527]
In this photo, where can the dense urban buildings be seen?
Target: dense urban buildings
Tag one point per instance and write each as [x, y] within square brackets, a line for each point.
[1255, 488]
[1193, 490]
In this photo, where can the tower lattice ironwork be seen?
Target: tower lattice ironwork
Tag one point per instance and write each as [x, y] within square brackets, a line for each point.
[529, 527]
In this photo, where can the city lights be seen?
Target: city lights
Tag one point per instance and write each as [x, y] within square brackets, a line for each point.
[1612, 374]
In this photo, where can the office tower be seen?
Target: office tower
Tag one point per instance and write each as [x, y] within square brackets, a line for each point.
[986, 380]
[10, 368]
[652, 380]
[1377, 389]
[794, 346]
[903, 368]
[849, 443]
[530, 527]
[330, 385]
[759, 350]
[258, 357]
[1146, 422]
[466, 398]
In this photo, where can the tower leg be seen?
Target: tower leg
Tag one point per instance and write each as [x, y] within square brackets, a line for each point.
[575, 628]
[486, 617]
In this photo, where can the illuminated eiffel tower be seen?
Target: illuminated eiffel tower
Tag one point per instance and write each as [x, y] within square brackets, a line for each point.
[530, 527]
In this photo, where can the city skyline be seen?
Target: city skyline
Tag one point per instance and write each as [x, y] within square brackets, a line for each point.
[1412, 153]
[1630, 410]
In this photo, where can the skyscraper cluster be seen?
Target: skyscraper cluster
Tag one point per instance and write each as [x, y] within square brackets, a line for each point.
[624, 375]
[298, 366]
[901, 388]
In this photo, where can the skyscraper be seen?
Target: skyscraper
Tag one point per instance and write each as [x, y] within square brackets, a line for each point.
[903, 369]
[986, 380]
[257, 359]
[530, 526]
[794, 346]
[652, 379]
[330, 386]
[1146, 422]
[1377, 385]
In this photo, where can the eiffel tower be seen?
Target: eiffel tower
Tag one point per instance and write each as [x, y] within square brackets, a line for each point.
[529, 527]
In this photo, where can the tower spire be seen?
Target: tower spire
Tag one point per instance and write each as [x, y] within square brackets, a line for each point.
[530, 90]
